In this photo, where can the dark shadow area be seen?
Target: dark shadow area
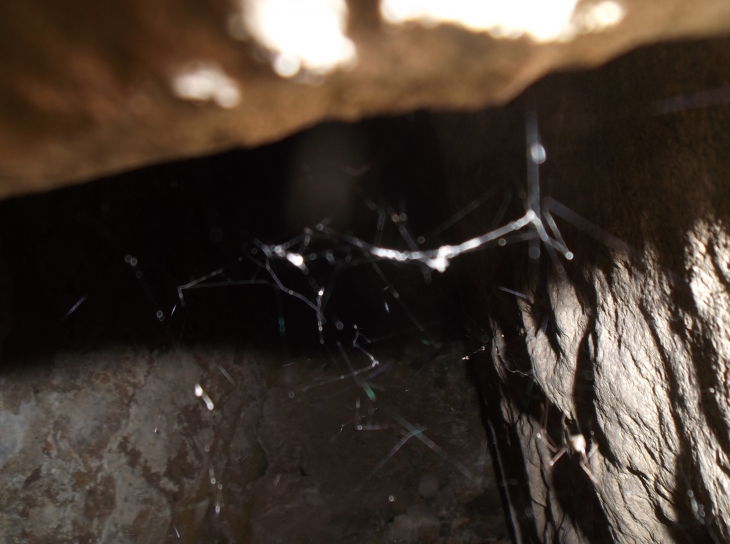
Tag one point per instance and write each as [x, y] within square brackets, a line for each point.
[68, 252]
[217, 412]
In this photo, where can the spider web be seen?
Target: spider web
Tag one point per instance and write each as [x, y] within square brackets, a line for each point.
[310, 278]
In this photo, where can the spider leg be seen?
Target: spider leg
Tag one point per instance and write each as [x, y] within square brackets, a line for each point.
[594, 448]
[558, 455]
[542, 435]
[587, 470]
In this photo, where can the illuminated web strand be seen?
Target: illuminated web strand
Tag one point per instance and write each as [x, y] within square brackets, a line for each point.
[227, 375]
[193, 283]
[199, 283]
[331, 285]
[439, 259]
[305, 243]
[362, 383]
[367, 250]
[159, 314]
[320, 318]
[353, 374]
[604, 237]
[392, 452]
[535, 157]
[380, 227]
[358, 334]
[373, 360]
[75, 306]
[461, 214]
[282, 323]
[430, 443]
[234, 283]
[378, 371]
[702, 99]
[400, 221]
[537, 214]
[506, 199]
[398, 333]
[397, 297]
[320, 383]
[289, 291]
[591, 228]
[277, 285]
[562, 247]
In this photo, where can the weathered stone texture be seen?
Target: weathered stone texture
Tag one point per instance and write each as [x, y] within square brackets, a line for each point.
[114, 446]
[90, 90]
[631, 347]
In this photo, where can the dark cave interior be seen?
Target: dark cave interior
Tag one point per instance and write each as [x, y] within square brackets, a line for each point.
[92, 271]
[185, 219]
[97, 267]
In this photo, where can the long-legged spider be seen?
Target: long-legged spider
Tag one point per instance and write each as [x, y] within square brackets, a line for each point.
[574, 443]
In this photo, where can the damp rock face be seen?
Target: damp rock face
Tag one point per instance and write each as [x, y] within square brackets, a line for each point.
[88, 91]
[629, 346]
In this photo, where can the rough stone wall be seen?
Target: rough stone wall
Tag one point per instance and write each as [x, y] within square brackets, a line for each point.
[631, 347]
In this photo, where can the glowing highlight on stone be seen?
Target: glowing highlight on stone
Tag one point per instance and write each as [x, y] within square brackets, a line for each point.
[544, 21]
[203, 82]
[301, 35]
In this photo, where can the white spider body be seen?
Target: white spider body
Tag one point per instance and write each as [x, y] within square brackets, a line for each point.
[576, 443]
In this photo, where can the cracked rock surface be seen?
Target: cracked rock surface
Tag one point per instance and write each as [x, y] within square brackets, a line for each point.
[630, 346]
